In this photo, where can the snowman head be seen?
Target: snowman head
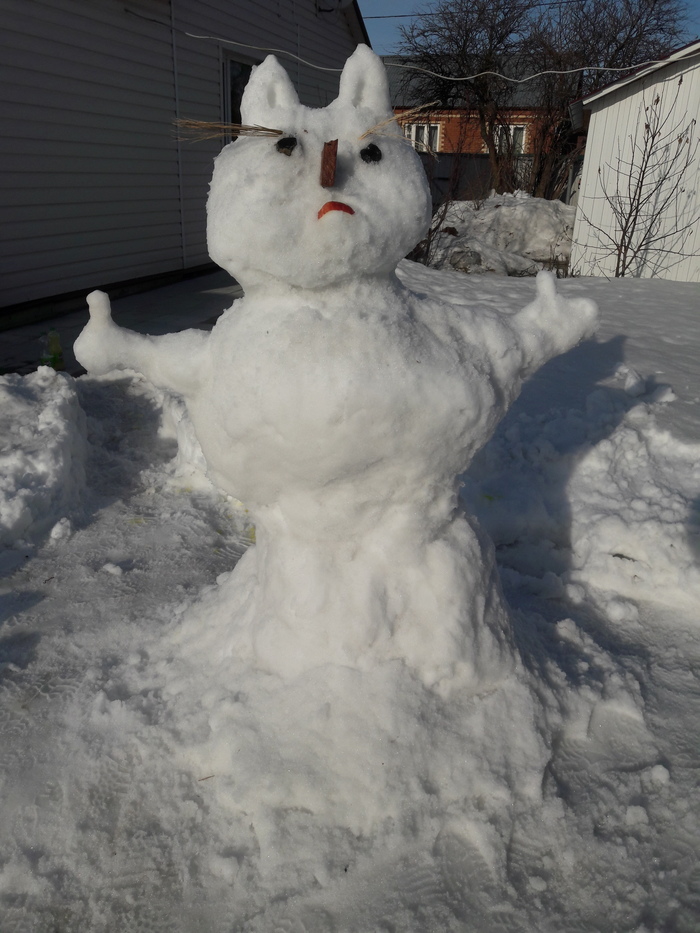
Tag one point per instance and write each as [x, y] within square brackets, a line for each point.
[279, 211]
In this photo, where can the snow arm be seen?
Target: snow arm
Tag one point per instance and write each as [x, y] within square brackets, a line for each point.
[551, 325]
[174, 361]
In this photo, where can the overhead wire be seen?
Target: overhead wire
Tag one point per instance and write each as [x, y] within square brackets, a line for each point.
[260, 48]
[539, 74]
[434, 74]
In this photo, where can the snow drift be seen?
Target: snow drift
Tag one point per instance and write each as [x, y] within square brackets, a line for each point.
[509, 234]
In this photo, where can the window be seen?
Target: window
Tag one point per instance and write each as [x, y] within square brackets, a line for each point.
[236, 76]
[423, 135]
[511, 139]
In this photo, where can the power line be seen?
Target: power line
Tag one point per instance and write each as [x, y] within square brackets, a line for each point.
[540, 74]
[260, 48]
[434, 74]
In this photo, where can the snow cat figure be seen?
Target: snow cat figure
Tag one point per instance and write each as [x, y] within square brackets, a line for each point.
[339, 406]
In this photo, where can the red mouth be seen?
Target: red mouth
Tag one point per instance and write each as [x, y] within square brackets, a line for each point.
[335, 206]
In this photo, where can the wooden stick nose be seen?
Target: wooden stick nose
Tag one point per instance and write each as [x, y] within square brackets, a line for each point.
[328, 163]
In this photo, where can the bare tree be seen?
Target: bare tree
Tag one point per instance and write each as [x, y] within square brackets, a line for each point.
[618, 34]
[467, 37]
[653, 210]
[588, 35]
[516, 38]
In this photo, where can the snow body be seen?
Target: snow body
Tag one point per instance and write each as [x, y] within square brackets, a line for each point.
[337, 405]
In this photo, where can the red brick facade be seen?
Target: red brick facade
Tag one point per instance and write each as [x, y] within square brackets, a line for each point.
[458, 130]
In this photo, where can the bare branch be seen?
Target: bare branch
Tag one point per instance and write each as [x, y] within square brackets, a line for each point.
[653, 214]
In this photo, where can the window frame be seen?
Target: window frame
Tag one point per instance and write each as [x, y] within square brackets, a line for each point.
[505, 140]
[410, 131]
[229, 112]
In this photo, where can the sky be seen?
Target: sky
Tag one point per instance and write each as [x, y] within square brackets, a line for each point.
[384, 33]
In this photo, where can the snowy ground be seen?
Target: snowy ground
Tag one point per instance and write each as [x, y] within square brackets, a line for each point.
[141, 790]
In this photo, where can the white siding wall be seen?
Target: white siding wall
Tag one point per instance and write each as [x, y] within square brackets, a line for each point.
[94, 187]
[615, 119]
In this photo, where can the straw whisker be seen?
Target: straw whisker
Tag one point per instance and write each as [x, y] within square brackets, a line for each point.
[197, 130]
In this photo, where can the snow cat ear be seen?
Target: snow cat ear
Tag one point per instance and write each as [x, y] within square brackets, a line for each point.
[364, 83]
[269, 91]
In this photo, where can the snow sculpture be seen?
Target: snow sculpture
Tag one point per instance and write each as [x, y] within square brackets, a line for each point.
[336, 404]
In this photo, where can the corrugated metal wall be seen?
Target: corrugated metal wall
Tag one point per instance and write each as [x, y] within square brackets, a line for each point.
[616, 120]
[94, 186]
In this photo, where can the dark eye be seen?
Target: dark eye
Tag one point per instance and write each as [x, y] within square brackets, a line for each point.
[287, 145]
[371, 153]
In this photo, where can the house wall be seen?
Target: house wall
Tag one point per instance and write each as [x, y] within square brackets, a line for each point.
[96, 189]
[617, 119]
[460, 132]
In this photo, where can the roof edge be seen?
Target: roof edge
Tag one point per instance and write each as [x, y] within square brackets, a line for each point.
[690, 50]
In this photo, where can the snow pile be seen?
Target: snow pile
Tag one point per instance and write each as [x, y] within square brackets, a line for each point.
[510, 234]
[638, 532]
[600, 491]
[42, 451]
[631, 529]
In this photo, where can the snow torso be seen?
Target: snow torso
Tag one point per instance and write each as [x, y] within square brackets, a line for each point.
[368, 385]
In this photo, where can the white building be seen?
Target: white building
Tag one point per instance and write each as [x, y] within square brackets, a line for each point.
[95, 188]
[639, 202]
